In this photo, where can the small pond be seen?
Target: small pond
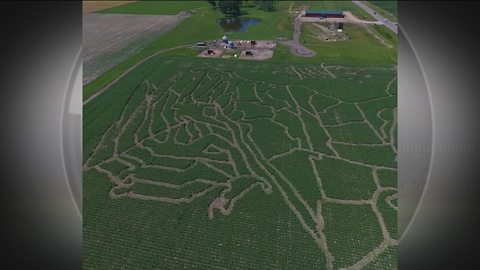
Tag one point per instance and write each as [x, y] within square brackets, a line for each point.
[237, 24]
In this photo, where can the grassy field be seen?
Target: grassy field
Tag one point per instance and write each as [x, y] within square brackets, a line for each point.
[157, 7]
[362, 49]
[204, 163]
[94, 6]
[179, 170]
[387, 35]
[388, 9]
[389, 6]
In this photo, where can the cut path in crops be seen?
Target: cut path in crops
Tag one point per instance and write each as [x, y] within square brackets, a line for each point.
[107, 86]
[199, 131]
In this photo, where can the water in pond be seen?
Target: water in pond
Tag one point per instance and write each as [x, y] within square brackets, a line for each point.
[237, 24]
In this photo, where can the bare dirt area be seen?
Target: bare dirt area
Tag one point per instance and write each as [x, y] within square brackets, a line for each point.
[243, 44]
[259, 44]
[244, 49]
[93, 6]
[325, 33]
[211, 53]
[108, 39]
[256, 54]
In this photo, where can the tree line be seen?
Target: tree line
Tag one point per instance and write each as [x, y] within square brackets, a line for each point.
[232, 8]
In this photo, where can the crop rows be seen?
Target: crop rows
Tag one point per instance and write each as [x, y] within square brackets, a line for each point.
[319, 139]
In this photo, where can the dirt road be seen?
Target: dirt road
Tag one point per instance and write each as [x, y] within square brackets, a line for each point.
[296, 47]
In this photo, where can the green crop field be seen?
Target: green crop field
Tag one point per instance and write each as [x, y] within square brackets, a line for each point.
[361, 49]
[388, 9]
[390, 6]
[202, 163]
[156, 7]
[211, 163]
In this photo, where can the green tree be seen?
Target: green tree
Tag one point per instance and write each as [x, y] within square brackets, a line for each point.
[230, 7]
[267, 5]
[213, 3]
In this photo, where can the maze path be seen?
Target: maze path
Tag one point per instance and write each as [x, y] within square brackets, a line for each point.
[193, 135]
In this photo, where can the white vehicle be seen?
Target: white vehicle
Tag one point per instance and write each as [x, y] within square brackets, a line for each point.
[386, 20]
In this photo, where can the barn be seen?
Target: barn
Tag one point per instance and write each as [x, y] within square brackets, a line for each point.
[324, 13]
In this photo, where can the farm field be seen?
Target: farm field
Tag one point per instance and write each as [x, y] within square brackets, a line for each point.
[363, 49]
[388, 9]
[156, 7]
[201, 163]
[389, 6]
[212, 163]
[94, 6]
[109, 39]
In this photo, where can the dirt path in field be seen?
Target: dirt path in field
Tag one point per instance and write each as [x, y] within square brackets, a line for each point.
[380, 39]
[350, 18]
[295, 46]
[217, 132]
[290, 7]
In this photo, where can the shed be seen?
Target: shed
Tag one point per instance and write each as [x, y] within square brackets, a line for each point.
[225, 39]
[324, 13]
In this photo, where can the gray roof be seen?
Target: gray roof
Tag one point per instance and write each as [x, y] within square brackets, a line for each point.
[336, 12]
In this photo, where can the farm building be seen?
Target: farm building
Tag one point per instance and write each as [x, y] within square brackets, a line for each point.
[324, 13]
[225, 39]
